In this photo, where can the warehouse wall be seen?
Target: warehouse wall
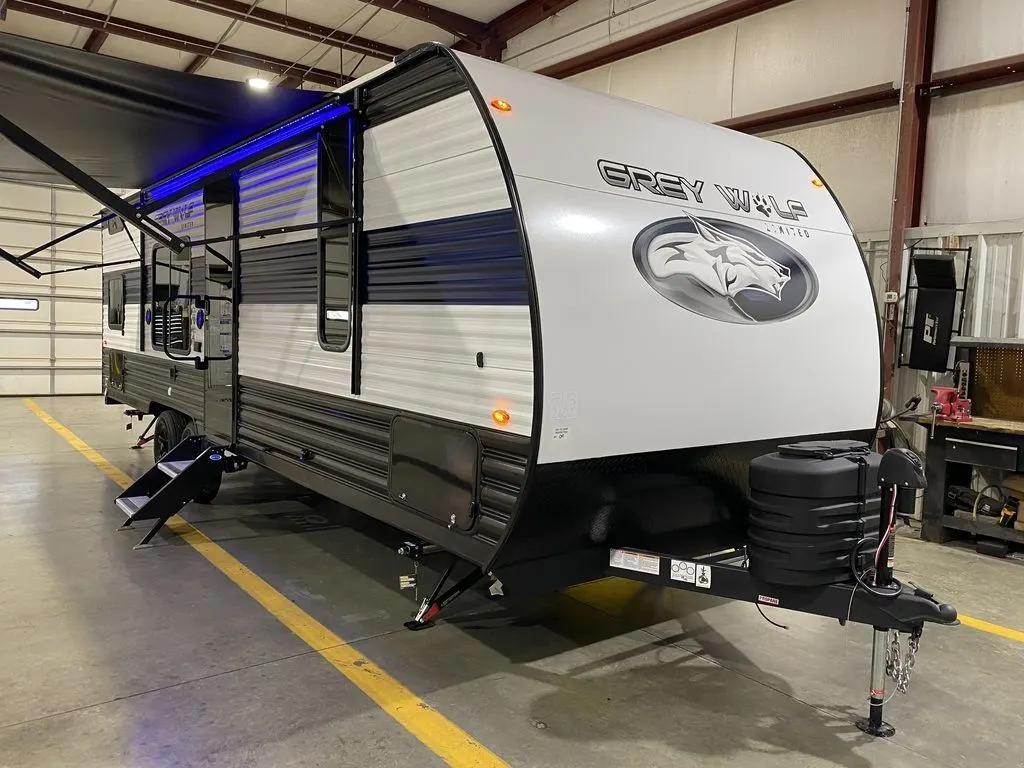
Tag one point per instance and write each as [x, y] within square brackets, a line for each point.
[804, 50]
[54, 349]
[974, 170]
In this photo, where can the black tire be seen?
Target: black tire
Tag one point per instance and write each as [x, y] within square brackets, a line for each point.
[207, 493]
[168, 432]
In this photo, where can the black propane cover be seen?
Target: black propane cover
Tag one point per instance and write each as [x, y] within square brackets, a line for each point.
[810, 504]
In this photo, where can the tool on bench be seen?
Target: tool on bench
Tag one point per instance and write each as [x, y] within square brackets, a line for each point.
[947, 404]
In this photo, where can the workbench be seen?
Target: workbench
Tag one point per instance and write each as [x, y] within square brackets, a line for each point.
[953, 451]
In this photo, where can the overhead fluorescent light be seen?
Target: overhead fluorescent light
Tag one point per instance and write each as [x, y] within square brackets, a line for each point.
[9, 302]
[258, 83]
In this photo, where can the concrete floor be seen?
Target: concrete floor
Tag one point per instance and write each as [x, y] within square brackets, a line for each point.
[114, 657]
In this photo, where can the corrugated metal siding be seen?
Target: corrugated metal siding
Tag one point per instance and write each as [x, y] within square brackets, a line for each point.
[349, 441]
[279, 343]
[149, 379]
[467, 260]
[417, 358]
[128, 339]
[133, 285]
[280, 192]
[120, 246]
[280, 274]
[437, 163]
[413, 90]
[422, 358]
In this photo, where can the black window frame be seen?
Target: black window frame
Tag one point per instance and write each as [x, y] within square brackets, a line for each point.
[117, 298]
[156, 308]
[328, 183]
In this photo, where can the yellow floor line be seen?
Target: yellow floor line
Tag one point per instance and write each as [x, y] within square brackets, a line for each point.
[440, 735]
[992, 629]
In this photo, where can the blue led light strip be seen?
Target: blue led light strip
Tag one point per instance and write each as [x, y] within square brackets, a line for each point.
[184, 179]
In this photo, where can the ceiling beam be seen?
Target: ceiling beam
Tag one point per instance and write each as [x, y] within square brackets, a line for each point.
[291, 81]
[512, 22]
[196, 64]
[840, 105]
[48, 9]
[975, 76]
[906, 206]
[454, 23]
[289, 25]
[695, 23]
[95, 41]
[522, 17]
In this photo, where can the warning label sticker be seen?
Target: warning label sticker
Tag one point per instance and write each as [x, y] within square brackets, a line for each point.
[683, 570]
[634, 561]
[704, 576]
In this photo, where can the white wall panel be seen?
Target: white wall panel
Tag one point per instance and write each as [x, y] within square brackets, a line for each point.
[693, 77]
[974, 167]
[800, 51]
[813, 48]
[55, 349]
[972, 31]
[857, 157]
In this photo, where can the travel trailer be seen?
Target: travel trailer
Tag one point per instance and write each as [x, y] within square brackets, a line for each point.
[551, 333]
[514, 318]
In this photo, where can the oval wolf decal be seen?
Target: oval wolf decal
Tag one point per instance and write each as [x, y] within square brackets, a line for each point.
[724, 270]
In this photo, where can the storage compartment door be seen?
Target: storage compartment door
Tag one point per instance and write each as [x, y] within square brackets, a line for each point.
[434, 470]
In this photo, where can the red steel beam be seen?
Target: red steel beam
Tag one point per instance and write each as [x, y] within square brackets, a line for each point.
[527, 14]
[196, 64]
[289, 25]
[454, 23]
[842, 104]
[512, 22]
[47, 9]
[95, 41]
[974, 76]
[715, 16]
[906, 208]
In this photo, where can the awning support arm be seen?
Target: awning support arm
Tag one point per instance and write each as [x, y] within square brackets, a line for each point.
[66, 236]
[23, 267]
[28, 143]
[90, 266]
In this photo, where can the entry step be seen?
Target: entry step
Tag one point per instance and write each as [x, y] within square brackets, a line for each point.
[132, 504]
[175, 468]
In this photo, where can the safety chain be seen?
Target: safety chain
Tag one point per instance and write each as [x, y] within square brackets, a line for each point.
[899, 664]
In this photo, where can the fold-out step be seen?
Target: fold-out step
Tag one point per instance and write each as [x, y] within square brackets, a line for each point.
[131, 505]
[175, 468]
[178, 478]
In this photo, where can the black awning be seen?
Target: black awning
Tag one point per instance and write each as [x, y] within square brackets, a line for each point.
[125, 124]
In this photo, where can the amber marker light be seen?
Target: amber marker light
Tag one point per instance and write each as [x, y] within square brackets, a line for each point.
[816, 182]
[501, 417]
[501, 105]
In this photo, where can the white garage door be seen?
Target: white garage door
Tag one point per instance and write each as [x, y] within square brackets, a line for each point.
[50, 332]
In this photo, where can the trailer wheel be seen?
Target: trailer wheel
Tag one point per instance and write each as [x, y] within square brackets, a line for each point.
[168, 431]
[208, 492]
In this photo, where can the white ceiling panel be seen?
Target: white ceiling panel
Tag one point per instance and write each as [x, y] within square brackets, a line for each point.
[172, 16]
[228, 71]
[403, 33]
[481, 10]
[144, 53]
[39, 29]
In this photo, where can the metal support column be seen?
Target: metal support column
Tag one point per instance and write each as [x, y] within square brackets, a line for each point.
[906, 208]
